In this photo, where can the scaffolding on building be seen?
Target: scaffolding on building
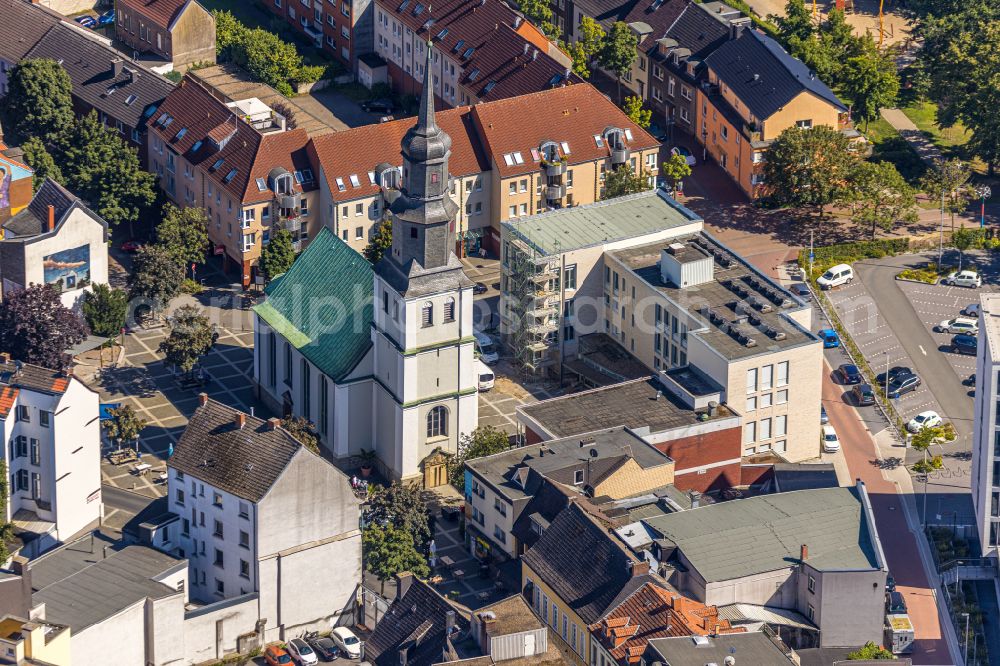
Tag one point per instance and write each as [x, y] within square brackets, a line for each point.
[532, 298]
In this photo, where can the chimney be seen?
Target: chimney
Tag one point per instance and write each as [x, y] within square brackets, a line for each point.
[713, 407]
[638, 568]
[695, 498]
[403, 581]
[449, 623]
[116, 67]
[534, 54]
[202, 399]
[240, 420]
[273, 423]
[804, 552]
[517, 24]
[52, 218]
[527, 46]
[19, 565]
[403, 655]
[5, 357]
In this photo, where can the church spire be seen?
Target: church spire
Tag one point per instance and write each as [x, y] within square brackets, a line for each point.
[425, 119]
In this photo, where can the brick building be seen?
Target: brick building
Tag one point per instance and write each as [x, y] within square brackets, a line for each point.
[181, 32]
[342, 28]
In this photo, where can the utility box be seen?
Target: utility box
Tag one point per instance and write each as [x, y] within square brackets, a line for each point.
[899, 634]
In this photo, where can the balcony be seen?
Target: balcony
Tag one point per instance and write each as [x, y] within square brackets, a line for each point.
[556, 191]
[620, 155]
[288, 201]
[314, 34]
[556, 168]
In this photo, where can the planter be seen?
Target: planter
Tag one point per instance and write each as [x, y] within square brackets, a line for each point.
[366, 470]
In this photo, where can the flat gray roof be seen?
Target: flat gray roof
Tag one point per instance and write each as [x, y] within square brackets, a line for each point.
[749, 648]
[557, 231]
[96, 588]
[633, 404]
[735, 284]
[743, 537]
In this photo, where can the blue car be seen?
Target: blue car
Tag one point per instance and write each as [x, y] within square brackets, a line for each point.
[86, 21]
[107, 18]
[829, 338]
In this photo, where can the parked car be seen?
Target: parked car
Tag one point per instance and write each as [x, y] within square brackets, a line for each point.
[658, 132]
[902, 384]
[831, 444]
[836, 276]
[864, 395]
[87, 21]
[849, 374]
[892, 373]
[969, 279]
[485, 347]
[485, 375]
[323, 646]
[800, 289]
[971, 310]
[964, 344]
[890, 584]
[378, 106]
[347, 642]
[480, 288]
[131, 246]
[275, 655]
[928, 419]
[301, 653]
[688, 157]
[107, 18]
[896, 604]
[824, 418]
[829, 338]
[959, 325]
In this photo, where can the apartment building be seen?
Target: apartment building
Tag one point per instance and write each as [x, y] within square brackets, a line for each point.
[816, 553]
[260, 514]
[986, 428]
[180, 32]
[483, 50]
[613, 463]
[751, 91]
[238, 162]
[49, 420]
[33, 642]
[55, 240]
[342, 28]
[23, 25]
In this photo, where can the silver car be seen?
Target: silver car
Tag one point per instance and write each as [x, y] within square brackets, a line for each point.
[959, 325]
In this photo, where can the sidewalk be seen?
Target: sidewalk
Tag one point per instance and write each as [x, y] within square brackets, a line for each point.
[927, 151]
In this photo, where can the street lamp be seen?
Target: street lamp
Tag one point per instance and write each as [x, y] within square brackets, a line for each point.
[983, 192]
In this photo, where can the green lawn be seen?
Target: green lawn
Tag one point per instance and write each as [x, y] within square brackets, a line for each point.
[889, 146]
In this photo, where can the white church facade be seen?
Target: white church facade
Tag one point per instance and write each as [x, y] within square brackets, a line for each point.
[380, 358]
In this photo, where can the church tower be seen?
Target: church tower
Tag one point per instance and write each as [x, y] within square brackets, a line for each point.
[425, 389]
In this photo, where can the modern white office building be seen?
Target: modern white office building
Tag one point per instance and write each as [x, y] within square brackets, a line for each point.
[986, 427]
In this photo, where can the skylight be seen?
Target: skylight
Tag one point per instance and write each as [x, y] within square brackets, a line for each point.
[354, 180]
[162, 119]
[565, 148]
[402, 6]
[489, 86]
[508, 159]
[419, 9]
[229, 176]
[130, 99]
[261, 184]
[371, 177]
[166, 123]
[458, 46]
[340, 184]
[441, 35]
[474, 74]
[218, 163]
[180, 135]
[535, 156]
[599, 140]
[628, 134]
[307, 175]
[468, 52]
[196, 146]
[518, 159]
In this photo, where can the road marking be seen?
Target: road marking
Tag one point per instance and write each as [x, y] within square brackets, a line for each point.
[920, 347]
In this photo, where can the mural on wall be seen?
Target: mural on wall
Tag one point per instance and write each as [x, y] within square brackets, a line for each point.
[68, 269]
[15, 187]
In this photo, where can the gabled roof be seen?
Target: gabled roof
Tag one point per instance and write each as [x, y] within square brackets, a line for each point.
[243, 461]
[764, 76]
[570, 115]
[338, 153]
[588, 590]
[23, 25]
[33, 219]
[416, 621]
[33, 378]
[8, 396]
[323, 305]
[698, 31]
[127, 97]
[161, 12]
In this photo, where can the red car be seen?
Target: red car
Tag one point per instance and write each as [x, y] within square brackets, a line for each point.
[131, 246]
[275, 655]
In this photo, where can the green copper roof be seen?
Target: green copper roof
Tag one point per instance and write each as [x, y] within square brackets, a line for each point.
[323, 305]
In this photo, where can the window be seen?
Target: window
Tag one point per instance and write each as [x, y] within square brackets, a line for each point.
[185, 527]
[437, 422]
[36, 454]
[44, 418]
[811, 584]
[752, 380]
[499, 534]
[218, 558]
[220, 587]
[804, 124]
[765, 429]
[23, 414]
[512, 187]
[524, 209]
[449, 309]
[500, 507]
[751, 403]
[524, 185]
[359, 233]
[179, 498]
[427, 314]
[512, 211]
[217, 499]
[782, 374]
[781, 397]
[765, 400]
[244, 569]
[750, 432]
[569, 277]
[578, 477]
[765, 377]
[780, 425]
[244, 539]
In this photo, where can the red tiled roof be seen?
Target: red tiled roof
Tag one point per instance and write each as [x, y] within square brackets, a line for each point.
[8, 395]
[357, 151]
[199, 118]
[573, 114]
[161, 12]
[498, 50]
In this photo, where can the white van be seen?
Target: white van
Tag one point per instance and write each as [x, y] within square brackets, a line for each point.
[836, 276]
[484, 376]
[486, 348]
[831, 443]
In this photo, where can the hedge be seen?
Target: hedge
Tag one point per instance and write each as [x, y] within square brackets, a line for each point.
[848, 253]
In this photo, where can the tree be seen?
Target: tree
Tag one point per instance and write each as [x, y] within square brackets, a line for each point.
[35, 327]
[190, 338]
[483, 441]
[581, 62]
[302, 430]
[633, 109]
[590, 35]
[870, 651]
[947, 181]
[402, 506]
[183, 233]
[6, 529]
[38, 158]
[796, 24]
[389, 550]
[124, 425]
[278, 255]
[963, 239]
[539, 12]
[40, 99]
[675, 169]
[623, 180]
[880, 197]
[618, 51]
[380, 241]
[809, 167]
[101, 168]
[105, 309]
[156, 276]
[872, 81]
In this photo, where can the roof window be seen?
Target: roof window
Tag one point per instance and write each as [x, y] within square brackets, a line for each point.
[180, 135]
[229, 176]
[599, 140]
[518, 159]
[340, 185]
[419, 9]
[488, 87]
[371, 177]
[508, 159]
[354, 180]
[628, 134]
[166, 123]
[535, 155]
[441, 35]
[468, 52]
[130, 99]
[261, 184]
[403, 5]
[218, 163]
[307, 176]
[565, 148]
[149, 112]
[474, 74]
[458, 46]
[196, 146]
